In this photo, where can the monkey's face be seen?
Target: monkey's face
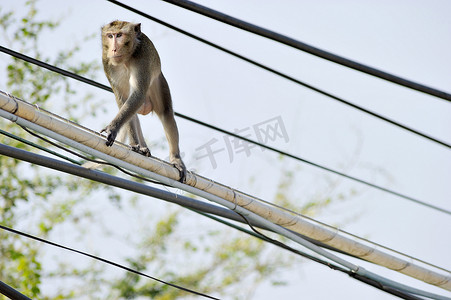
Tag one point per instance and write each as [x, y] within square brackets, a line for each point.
[119, 46]
[119, 40]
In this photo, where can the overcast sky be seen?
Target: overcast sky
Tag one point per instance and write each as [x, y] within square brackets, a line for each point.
[411, 39]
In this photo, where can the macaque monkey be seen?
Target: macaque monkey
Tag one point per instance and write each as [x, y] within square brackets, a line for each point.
[132, 66]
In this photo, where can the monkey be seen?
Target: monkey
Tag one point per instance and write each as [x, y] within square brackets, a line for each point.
[133, 68]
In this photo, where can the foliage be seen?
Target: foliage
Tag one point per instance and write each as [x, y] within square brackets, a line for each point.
[221, 262]
[47, 197]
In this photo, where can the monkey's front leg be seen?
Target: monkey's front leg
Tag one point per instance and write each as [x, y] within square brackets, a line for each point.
[126, 112]
[131, 131]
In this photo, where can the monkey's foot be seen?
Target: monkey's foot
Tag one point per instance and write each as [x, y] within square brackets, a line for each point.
[178, 163]
[141, 150]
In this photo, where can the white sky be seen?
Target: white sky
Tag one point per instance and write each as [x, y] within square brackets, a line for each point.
[411, 39]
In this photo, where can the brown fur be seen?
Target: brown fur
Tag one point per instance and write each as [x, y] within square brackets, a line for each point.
[133, 68]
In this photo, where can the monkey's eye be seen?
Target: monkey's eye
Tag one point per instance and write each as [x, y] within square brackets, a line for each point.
[119, 34]
[110, 36]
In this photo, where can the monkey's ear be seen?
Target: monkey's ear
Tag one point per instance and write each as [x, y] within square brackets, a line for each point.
[138, 28]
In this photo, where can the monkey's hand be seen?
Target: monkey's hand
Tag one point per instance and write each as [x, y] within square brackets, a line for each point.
[111, 134]
[178, 163]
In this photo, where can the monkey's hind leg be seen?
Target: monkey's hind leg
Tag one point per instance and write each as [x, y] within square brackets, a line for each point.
[161, 97]
[172, 135]
[136, 138]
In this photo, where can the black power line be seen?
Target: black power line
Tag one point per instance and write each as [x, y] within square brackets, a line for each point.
[221, 17]
[11, 293]
[99, 85]
[306, 85]
[103, 260]
[324, 168]
[53, 68]
[200, 207]
[194, 205]
[206, 209]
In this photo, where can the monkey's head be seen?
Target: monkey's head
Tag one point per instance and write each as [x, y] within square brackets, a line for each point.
[119, 40]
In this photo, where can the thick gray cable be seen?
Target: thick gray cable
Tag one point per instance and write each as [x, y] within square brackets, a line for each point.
[136, 187]
[248, 214]
[129, 185]
[176, 184]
